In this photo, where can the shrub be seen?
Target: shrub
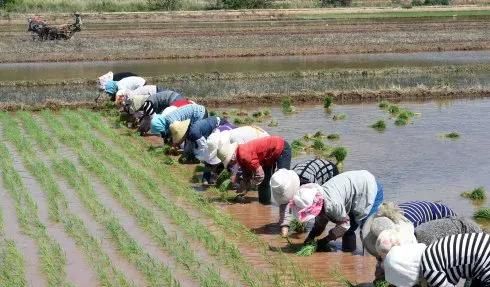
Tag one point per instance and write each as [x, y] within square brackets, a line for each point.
[327, 102]
[168, 5]
[243, 4]
[340, 153]
[335, 3]
[475, 194]
[379, 125]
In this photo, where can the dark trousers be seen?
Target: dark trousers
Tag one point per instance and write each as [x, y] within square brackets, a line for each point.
[284, 161]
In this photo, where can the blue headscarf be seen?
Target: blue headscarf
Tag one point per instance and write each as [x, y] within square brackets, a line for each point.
[159, 125]
[111, 87]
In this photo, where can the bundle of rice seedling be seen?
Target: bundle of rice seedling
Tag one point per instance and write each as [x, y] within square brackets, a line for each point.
[307, 250]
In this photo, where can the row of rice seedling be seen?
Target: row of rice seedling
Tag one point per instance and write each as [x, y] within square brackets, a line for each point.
[12, 262]
[156, 273]
[147, 185]
[73, 225]
[207, 275]
[137, 150]
[52, 258]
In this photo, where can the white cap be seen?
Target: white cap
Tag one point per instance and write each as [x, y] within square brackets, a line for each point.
[284, 185]
[402, 264]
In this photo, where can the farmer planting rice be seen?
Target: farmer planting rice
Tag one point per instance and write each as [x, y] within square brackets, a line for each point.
[160, 123]
[111, 83]
[347, 200]
[257, 159]
[442, 263]
[285, 184]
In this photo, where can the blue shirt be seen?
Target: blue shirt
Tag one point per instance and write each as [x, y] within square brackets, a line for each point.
[419, 212]
[160, 124]
[202, 128]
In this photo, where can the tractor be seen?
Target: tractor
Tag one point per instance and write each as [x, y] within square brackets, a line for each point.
[43, 31]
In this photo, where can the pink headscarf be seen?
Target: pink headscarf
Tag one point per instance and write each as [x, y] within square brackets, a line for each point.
[308, 203]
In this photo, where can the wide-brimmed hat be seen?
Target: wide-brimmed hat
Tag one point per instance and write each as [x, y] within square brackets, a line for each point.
[226, 152]
[402, 264]
[178, 130]
[307, 203]
[284, 185]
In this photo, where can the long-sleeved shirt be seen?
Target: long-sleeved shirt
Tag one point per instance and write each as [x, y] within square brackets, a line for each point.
[130, 83]
[197, 135]
[351, 191]
[309, 171]
[156, 103]
[453, 257]
[419, 212]
[161, 123]
[431, 231]
[262, 152]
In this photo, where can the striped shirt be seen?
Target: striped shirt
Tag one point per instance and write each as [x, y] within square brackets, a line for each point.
[453, 257]
[315, 171]
[419, 212]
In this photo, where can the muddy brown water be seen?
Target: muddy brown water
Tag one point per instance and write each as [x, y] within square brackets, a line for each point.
[91, 70]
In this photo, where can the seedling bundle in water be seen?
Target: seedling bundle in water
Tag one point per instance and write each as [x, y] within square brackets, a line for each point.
[327, 102]
[287, 106]
[307, 250]
[483, 214]
[379, 126]
[315, 144]
[402, 116]
[475, 194]
[452, 135]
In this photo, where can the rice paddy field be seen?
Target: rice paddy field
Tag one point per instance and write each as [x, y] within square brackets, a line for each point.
[86, 201]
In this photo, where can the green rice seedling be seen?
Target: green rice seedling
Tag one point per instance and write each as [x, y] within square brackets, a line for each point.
[340, 153]
[58, 206]
[266, 112]
[273, 123]
[238, 121]
[319, 135]
[401, 122]
[225, 186]
[242, 114]
[281, 263]
[307, 137]
[383, 104]
[482, 214]
[297, 147]
[327, 102]
[12, 273]
[476, 194]
[339, 277]
[379, 125]
[297, 226]
[222, 177]
[213, 113]
[393, 109]
[339, 117]
[452, 135]
[287, 106]
[307, 250]
[258, 114]
[318, 145]
[333, 137]
[381, 283]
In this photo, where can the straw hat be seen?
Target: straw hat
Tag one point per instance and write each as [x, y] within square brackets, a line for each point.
[226, 152]
[402, 264]
[178, 130]
[284, 185]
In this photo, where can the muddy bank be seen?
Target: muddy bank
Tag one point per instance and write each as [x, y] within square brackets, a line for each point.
[253, 38]
[339, 97]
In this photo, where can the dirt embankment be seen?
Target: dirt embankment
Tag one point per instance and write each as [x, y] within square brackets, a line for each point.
[340, 97]
[248, 33]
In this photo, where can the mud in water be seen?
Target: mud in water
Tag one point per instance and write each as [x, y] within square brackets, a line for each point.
[77, 269]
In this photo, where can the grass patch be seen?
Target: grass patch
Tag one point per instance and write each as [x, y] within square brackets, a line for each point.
[452, 135]
[379, 125]
[476, 194]
[482, 214]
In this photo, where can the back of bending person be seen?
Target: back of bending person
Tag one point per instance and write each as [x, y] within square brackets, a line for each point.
[441, 264]
[285, 184]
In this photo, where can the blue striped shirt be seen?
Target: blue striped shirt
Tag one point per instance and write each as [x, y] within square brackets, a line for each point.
[419, 212]
[160, 124]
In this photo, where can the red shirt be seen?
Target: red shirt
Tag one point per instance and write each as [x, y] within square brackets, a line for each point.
[259, 152]
[181, 103]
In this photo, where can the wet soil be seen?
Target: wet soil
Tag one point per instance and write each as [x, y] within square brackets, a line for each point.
[250, 38]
